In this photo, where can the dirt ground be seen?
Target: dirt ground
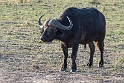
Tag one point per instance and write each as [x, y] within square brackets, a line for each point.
[24, 59]
[15, 69]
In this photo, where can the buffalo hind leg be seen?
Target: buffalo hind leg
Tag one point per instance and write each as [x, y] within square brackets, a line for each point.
[65, 56]
[92, 50]
[101, 48]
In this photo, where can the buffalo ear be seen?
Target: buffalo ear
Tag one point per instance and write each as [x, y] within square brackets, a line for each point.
[60, 34]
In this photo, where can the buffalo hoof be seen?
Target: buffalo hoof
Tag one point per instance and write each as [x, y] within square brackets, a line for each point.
[89, 65]
[73, 70]
[62, 69]
[100, 65]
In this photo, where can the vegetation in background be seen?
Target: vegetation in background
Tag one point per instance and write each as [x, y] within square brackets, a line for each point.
[21, 48]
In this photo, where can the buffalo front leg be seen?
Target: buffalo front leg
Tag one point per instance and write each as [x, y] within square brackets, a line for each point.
[73, 57]
[92, 50]
[65, 56]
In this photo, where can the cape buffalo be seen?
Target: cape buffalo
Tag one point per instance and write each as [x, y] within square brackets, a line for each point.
[73, 27]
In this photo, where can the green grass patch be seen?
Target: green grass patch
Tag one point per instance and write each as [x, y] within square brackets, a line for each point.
[20, 37]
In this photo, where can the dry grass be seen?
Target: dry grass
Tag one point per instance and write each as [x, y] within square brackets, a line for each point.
[24, 59]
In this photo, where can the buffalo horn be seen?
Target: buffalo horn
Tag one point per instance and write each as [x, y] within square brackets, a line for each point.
[39, 22]
[60, 26]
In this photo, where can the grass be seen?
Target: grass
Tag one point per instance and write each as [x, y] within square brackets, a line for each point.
[22, 51]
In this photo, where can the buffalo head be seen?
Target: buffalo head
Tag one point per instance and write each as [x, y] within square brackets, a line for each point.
[49, 28]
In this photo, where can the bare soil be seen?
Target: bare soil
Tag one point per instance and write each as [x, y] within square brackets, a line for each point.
[24, 59]
[26, 69]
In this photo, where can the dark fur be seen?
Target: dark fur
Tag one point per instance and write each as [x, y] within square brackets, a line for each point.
[88, 26]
